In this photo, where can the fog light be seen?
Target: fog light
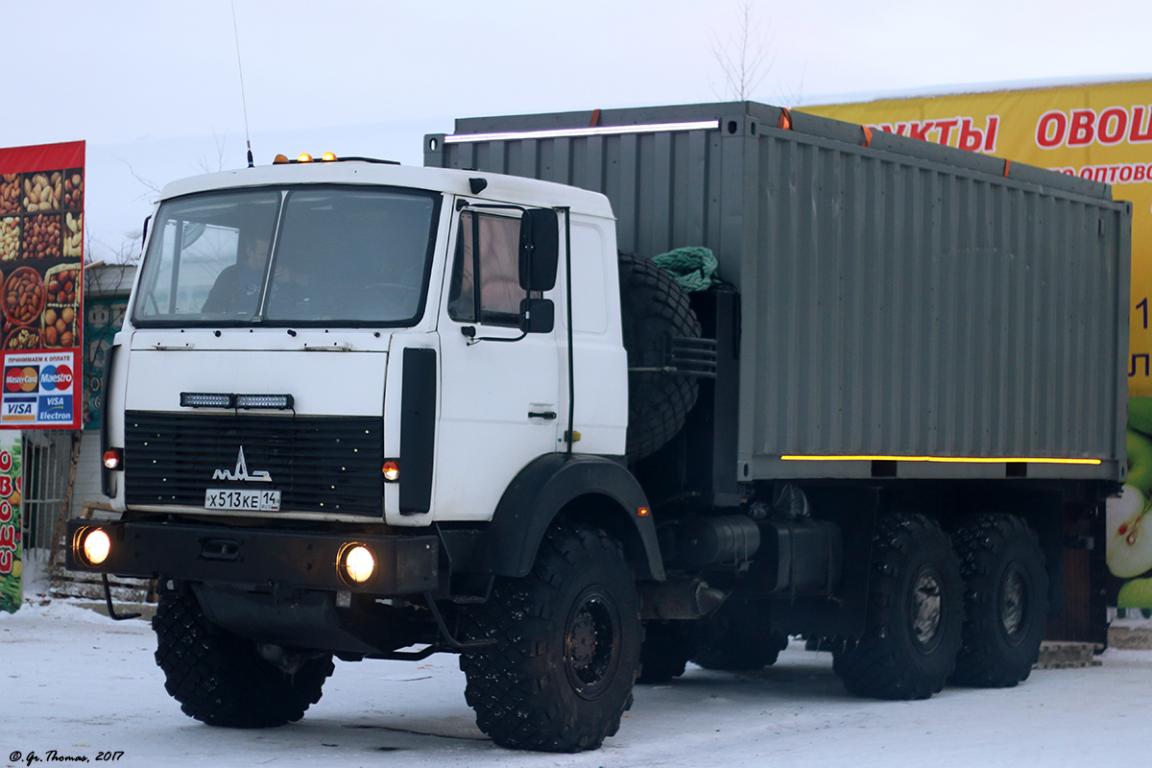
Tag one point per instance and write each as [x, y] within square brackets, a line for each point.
[391, 470]
[356, 563]
[94, 546]
[113, 458]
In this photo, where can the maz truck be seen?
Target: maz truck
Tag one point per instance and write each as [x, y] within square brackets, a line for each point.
[367, 411]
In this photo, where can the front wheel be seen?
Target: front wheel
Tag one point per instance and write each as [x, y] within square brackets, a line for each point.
[220, 678]
[915, 614]
[568, 647]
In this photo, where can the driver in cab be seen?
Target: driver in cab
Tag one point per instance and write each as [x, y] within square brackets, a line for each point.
[237, 287]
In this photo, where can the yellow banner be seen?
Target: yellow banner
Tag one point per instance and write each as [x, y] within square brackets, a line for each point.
[1096, 131]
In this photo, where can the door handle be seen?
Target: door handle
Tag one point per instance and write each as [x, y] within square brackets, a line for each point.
[546, 415]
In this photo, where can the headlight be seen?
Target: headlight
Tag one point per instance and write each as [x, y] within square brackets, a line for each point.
[92, 546]
[356, 563]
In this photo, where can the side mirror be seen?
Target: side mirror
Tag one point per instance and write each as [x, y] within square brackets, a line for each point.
[539, 249]
[537, 315]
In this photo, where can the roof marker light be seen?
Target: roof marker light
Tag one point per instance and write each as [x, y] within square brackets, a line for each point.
[303, 157]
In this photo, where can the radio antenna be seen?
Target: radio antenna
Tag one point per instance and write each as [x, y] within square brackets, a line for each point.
[243, 97]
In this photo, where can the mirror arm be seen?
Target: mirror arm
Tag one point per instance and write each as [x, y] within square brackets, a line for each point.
[470, 332]
[570, 434]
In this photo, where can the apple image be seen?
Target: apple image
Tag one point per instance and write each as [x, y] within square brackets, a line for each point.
[1135, 594]
[1129, 550]
[1140, 414]
[1139, 449]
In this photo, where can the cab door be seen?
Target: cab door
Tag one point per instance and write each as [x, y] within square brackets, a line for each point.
[500, 389]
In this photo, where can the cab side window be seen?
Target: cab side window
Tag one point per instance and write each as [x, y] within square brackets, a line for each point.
[499, 283]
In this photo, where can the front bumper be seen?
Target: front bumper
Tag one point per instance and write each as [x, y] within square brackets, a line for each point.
[259, 557]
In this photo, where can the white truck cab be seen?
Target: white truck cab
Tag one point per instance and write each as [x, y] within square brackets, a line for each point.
[314, 284]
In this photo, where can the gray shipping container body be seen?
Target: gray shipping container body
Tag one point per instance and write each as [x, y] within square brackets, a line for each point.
[908, 310]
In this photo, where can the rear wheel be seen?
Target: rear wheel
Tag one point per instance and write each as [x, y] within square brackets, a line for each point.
[221, 679]
[915, 614]
[1005, 600]
[568, 647]
[739, 638]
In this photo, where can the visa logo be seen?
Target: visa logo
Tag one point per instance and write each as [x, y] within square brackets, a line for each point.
[18, 409]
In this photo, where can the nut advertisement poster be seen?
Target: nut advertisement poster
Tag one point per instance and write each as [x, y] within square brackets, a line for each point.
[1101, 132]
[41, 272]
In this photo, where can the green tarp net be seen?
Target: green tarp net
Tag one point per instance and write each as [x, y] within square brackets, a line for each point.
[694, 267]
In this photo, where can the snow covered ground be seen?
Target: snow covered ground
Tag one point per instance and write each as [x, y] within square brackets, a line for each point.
[76, 682]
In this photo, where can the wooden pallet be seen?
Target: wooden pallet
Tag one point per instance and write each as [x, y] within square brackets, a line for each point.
[1060, 655]
[1137, 638]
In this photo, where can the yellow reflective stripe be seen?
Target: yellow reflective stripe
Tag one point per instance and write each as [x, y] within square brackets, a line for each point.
[946, 459]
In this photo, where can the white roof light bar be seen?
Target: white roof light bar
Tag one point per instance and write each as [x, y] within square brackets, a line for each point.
[564, 133]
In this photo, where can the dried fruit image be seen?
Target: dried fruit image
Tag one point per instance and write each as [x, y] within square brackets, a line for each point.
[9, 193]
[22, 338]
[23, 296]
[42, 237]
[59, 327]
[42, 191]
[61, 285]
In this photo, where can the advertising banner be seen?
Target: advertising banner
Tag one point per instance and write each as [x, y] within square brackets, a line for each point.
[41, 276]
[11, 545]
[103, 317]
[1095, 131]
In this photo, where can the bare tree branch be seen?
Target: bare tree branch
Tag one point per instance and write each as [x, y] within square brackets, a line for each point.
[743, 58]
[148, 184]
[204, 166]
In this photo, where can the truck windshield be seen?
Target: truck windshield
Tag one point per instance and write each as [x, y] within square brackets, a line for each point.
[303, 255]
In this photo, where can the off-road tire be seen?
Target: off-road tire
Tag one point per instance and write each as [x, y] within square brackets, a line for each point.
[898, 656]
[1005, 600]
[653, 310]
[526, 690]
[667, 648]
[738, 638]
[220, 678]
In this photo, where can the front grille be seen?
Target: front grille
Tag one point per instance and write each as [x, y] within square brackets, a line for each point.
[319, 464]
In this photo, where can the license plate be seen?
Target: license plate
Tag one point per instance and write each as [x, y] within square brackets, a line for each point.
[242, 500]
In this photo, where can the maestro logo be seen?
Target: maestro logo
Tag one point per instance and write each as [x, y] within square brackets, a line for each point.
[24, 378]
[56, 377]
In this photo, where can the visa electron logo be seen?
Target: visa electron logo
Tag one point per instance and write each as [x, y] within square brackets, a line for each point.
[56, 377]
[25, 379]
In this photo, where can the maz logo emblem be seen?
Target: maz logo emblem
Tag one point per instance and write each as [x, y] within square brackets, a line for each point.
[241, 472]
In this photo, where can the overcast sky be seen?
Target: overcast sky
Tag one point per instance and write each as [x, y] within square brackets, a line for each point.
[153, 86]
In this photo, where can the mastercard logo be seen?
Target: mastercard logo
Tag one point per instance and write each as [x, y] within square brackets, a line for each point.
[56, 377]
[23, 379]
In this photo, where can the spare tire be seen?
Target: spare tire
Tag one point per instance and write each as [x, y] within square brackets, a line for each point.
[654, 310]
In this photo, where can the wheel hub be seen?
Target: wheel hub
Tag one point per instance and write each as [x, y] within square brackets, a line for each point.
[591, 639]
[926, 609]
[1013, 601]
